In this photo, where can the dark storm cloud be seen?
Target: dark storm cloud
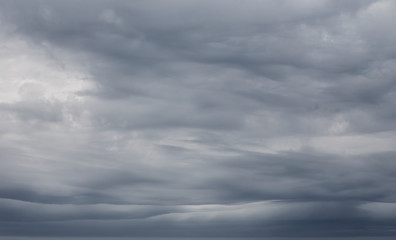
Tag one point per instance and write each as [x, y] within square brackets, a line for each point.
[307, 177]
[197, 118]
[141, 49]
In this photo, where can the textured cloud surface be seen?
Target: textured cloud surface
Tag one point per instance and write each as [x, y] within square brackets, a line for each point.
[198, 118]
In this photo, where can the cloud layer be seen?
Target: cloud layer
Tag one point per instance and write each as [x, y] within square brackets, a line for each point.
[197, 118]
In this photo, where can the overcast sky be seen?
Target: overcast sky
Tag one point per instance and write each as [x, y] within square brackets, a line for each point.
[198, 118]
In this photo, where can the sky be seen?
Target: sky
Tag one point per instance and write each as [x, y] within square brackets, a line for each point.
[197, 118]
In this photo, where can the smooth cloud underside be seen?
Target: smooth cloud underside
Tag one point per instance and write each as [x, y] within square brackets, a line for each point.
[197, 118]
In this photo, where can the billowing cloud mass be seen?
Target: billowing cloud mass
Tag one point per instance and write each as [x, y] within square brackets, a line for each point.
[209, 118]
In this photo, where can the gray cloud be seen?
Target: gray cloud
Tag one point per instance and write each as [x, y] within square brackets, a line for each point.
[197, 118]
